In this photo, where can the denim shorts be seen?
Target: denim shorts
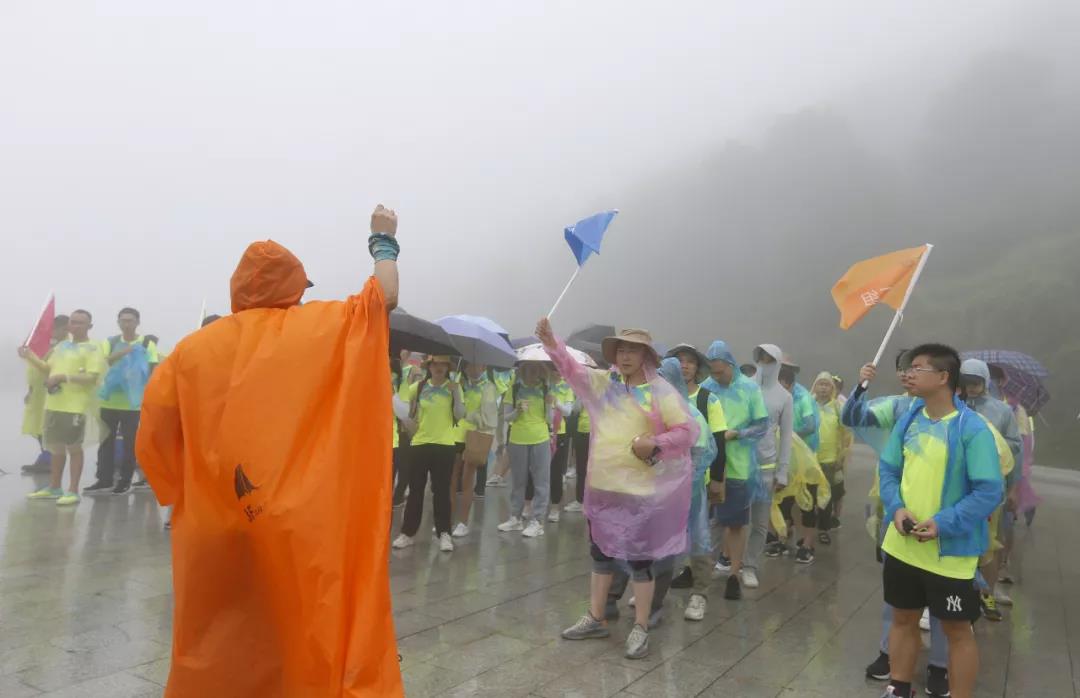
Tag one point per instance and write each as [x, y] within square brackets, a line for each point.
[735, 510]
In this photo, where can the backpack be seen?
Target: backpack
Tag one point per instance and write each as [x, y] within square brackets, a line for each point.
[703, 402]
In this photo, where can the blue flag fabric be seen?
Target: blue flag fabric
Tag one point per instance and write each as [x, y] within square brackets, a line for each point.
[585, 236]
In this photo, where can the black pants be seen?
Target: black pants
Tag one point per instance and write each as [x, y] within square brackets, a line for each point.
[439, 461]
[581, 463]
[401, 467]
[810, 519]
[826, 514]
[481, 480]
[396, 477]
[126, 424]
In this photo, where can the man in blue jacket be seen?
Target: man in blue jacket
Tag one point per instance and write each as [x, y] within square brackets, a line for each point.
[940, 480]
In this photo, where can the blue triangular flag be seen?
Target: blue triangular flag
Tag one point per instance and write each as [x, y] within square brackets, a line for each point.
[585, 236]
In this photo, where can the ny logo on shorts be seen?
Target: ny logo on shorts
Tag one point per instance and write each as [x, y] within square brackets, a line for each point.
[952, 604]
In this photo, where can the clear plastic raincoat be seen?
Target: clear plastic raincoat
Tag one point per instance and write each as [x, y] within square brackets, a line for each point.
[636, 511]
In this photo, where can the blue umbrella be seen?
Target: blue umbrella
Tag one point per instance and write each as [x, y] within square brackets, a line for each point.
[486, 323]
[477, 344]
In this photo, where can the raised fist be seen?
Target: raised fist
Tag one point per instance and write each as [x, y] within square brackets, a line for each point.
[384, 220]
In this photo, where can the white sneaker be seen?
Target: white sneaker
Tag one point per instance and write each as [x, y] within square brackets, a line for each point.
[723, 566]
[511, 524]
[403, 541]
[574, 507]
[924, 621]
[632, 603]
[553, 516]
[1003, 597]
[749, 579]
[445, 544]
[695, 610]
[637, 643]
[460, 531]
[533, 530]
[496, 481]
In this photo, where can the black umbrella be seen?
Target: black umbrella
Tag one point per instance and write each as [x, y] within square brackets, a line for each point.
[411, 333]
[520, 342]
[593, 333]
[589, 340]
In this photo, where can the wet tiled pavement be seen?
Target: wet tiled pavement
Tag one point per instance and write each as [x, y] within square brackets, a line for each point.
[85, 610]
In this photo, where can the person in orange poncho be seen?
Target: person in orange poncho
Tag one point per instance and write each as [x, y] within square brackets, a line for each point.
[269, 433]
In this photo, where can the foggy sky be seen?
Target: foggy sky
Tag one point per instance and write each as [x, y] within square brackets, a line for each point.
[143, 145]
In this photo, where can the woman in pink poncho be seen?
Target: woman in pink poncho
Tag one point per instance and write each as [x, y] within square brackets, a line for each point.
[637, 490]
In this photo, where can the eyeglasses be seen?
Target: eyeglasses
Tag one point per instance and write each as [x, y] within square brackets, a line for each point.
[910, 370]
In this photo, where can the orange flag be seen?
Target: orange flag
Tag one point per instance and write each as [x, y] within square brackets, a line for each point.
[883, 279]
[267, 432]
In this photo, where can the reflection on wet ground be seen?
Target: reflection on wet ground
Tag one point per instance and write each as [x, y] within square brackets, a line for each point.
[85, 610]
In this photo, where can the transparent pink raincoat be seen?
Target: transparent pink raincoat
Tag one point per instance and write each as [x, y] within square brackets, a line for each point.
[635, 511]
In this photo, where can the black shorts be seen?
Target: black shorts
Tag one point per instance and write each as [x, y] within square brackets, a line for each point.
[64, 429]
[910, 588]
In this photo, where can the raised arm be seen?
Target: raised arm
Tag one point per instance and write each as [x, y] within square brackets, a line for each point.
[576, 375]
[383, 246]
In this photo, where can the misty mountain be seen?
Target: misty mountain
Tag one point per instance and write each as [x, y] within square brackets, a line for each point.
[745, 243]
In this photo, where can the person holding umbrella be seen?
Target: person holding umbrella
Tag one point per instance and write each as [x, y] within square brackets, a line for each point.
[481, 417]
[436, 405]
[529, 414]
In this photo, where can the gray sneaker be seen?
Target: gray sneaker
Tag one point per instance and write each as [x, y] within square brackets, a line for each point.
[586, 629]
[637, 643]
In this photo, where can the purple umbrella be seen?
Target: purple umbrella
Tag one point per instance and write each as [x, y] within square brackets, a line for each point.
[1022, 376]
[477, 344]
[1022, 387]
[486, 323]
[1013, 359]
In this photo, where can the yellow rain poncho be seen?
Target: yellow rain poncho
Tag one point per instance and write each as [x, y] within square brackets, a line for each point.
[803, 471]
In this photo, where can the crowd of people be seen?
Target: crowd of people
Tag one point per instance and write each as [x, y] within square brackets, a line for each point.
[691, 466]
[86, 391]
[688, 466]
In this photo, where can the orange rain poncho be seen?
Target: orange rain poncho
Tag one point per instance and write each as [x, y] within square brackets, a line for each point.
[268, 432]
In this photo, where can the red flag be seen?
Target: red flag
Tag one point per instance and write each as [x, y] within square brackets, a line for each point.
[40, 336]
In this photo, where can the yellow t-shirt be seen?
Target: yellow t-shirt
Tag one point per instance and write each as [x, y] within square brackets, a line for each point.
[394, 385]
[584, 424]
[716, 418]
[563, 394]
[926, 454]
[474, 400]
[71, 358]
[531, 426]
[434, 414]
[118, 399]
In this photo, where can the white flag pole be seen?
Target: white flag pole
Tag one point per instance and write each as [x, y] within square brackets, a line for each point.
[48, 299]
[565, 289]
[898, 317]
[202, 314]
